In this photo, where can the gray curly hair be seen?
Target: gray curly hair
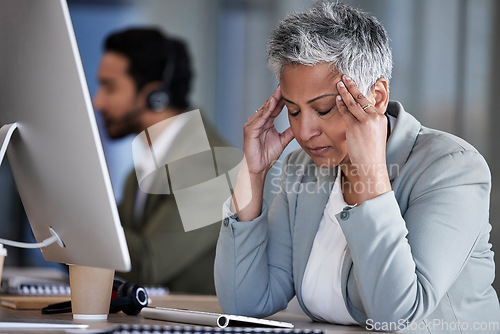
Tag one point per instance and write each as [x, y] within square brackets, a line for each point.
[349, 40]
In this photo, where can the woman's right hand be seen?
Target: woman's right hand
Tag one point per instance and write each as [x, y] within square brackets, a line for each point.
[263, 144]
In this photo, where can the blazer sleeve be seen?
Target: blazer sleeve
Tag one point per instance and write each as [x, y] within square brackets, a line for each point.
[253, 265]
[403, 264]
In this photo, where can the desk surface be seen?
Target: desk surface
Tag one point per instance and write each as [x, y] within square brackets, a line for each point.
[197, 303]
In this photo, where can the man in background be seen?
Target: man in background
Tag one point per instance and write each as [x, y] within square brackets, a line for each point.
[144, 79]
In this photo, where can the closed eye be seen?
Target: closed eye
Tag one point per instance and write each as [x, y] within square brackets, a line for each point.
[293, 114]
[322, 113]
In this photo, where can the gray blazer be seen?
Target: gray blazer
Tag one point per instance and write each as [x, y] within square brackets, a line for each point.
[417, 255]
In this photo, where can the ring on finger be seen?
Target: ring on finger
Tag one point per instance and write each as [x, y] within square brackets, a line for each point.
[366, 106]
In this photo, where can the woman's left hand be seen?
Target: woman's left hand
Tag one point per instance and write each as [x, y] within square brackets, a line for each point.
[366, 136]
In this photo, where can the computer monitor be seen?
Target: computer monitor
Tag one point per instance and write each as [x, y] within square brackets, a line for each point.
[55, 154]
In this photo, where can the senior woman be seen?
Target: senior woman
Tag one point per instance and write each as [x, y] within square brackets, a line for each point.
[377, 220]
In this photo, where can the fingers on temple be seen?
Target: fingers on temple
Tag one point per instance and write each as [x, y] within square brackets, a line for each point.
[347, 115]
[358, 96]
[277, 93]
[272, 114]
[354, 91]
[347, 104]
[263, 109]
[278, 108]
[276, 102]
[267, 112]
[270, 105]
[352, 97]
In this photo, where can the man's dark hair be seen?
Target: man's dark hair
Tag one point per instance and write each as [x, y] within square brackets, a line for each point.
[148, 51]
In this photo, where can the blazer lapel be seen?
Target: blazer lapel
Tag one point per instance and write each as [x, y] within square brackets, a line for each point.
[401, 140]
[312, 197]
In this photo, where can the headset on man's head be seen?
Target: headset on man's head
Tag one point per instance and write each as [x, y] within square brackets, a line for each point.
[159, 99]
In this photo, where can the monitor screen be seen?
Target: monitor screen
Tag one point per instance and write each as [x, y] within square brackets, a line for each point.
[56, 154]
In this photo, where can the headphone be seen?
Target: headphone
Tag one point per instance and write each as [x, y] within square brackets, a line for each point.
[126, 296]
[158, 100]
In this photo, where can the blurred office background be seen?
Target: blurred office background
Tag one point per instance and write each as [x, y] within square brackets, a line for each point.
[445, 72]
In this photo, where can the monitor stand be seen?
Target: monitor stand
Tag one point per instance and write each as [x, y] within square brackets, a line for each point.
[90, 287]
[6, 133]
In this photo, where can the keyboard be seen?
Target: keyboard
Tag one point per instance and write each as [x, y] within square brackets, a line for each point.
[159, 329]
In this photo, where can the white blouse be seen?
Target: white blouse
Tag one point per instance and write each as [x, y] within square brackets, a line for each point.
[321, 285]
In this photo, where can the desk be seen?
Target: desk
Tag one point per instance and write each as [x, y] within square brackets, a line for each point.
[197, 303]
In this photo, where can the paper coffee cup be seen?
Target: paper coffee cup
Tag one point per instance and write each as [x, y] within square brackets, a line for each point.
[90, 292]
[3, 254]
